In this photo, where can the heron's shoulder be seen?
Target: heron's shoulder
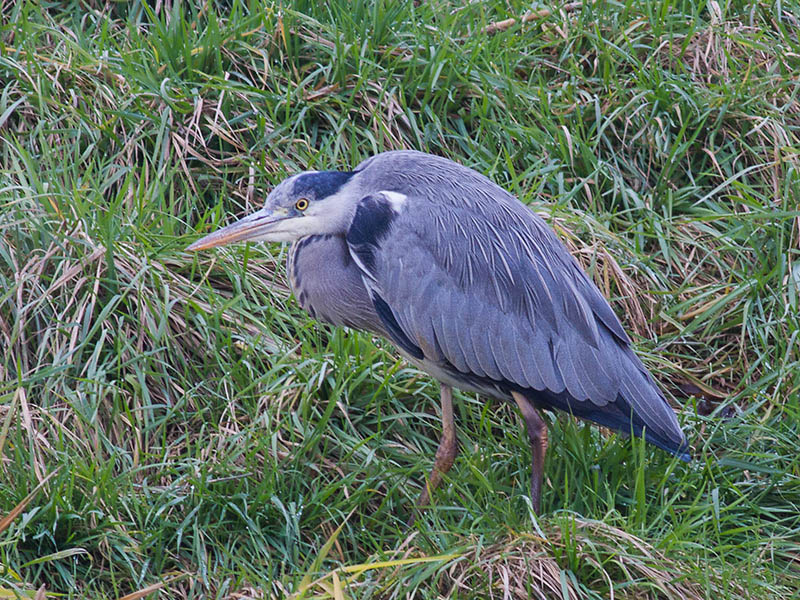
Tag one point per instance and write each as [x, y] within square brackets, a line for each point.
[373, 220]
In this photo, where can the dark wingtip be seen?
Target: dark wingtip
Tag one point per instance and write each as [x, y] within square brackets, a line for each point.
[684, 452]
[680, 449]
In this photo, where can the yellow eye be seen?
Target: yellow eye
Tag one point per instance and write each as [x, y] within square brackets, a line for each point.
[301, 204]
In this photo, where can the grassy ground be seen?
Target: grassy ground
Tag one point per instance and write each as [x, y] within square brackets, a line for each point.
[175, 421]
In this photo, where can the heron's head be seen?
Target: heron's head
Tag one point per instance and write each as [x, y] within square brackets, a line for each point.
[310, 203]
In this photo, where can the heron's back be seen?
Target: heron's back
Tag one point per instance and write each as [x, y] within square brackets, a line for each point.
[477, 288]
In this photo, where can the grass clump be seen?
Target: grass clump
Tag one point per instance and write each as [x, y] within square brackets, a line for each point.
[175, 425]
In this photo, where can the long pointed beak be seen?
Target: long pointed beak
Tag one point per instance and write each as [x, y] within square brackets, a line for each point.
[248, 228]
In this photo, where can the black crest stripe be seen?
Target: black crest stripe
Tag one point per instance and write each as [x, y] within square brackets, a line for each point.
[320, 185]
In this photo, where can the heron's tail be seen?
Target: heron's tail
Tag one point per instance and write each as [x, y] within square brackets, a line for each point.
[639, 407]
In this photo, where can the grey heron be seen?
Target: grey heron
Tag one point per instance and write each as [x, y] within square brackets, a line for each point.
[470, 285]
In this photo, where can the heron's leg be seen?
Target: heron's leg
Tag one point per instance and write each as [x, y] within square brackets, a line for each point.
[448, 448]
[537, 434]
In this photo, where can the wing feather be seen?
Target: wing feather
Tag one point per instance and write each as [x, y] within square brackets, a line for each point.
[526, 357]
[449, 334]
[572, 377]
[482, 347]
[500, 348]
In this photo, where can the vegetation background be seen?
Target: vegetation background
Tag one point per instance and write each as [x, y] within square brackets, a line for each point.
[174, 425]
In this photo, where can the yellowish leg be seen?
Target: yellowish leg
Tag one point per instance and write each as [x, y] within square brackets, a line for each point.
[446, 454]
[537, 434]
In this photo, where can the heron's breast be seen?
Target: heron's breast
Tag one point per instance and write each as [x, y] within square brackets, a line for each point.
[328, 285]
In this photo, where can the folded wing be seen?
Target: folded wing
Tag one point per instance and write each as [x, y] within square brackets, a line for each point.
[509, 306]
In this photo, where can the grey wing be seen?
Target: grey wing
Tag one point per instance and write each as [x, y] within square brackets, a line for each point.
[488, 292]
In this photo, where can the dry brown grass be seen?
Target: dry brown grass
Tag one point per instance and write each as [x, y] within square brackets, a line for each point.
[607, 559]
